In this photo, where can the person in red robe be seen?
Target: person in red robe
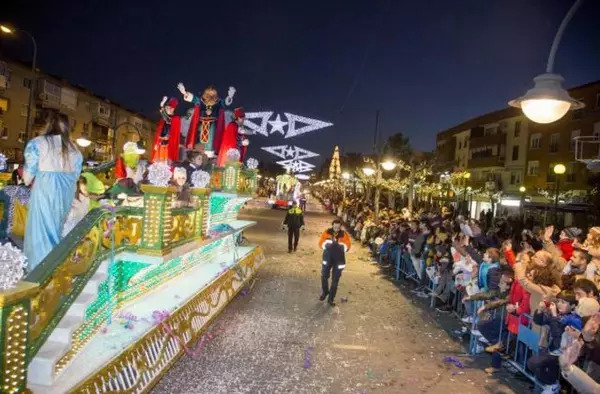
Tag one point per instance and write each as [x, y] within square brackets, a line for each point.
[233, 138]
[166, 138]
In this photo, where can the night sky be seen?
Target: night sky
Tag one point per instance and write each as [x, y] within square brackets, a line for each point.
[427, 65]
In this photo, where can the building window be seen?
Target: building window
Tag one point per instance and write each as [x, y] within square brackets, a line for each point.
[533, 168]
[535, 141]
[515, 153]
[24, 110]
[571, 172]
[68, 99]
[515, 178]
[554, 139]
[3, 131]
[27, 83]
[597, 100]
[22, 136]
[574, 134]
[490, 130]
[3, 105]
[517, 128]
[103, 110]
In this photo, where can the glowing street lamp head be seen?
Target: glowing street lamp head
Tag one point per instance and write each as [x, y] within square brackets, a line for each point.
[368, 171]
[522, 189]
[83, 142]
[467, 175]
[5, 29]
[346, 175]
[560, 169]
[548, 101]
[388, 165]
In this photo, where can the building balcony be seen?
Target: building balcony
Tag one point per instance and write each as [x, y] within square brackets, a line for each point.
[487, 140]
[486, 161]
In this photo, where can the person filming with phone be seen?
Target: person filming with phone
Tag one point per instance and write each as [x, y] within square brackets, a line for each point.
[335, 242]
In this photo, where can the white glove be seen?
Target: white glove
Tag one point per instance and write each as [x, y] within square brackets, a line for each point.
[245, 142]
[181, 88]
[164, 100]
[230, 94]
[303, 228]
[284, 227]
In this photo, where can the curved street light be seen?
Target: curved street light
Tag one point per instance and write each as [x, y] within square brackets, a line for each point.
[388, 165]
[368, 171]
[548, 101]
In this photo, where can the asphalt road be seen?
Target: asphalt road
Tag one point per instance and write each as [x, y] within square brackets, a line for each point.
[279, 338]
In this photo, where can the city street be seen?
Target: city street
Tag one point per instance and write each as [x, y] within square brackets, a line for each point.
[278, 338]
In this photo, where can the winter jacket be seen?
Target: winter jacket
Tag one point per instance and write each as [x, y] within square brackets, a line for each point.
[489, 273]
[556, 325]
[334, 245]
[566, 246]
[294, 218]
[518, 297]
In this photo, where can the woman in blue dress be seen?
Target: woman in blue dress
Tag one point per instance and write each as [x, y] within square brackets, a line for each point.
[53, 164]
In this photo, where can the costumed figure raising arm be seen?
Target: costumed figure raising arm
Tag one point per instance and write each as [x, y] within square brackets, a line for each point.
[208, 118]
[166, 137]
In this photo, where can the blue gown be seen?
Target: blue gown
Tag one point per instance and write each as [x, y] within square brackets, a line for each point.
[51, 196]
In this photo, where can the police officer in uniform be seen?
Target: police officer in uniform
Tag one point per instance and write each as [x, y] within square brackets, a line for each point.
[335, 242]
[294, 221]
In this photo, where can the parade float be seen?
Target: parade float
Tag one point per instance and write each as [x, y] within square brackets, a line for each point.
[132, 287]
[288, 190]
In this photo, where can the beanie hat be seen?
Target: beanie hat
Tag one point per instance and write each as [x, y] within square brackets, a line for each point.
[587, 307]
[572, 232]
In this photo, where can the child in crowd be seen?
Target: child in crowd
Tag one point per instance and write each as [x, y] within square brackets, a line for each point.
[556, 316]
[586, 294]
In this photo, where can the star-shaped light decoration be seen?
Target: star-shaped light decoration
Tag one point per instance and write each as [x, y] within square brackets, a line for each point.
[277, 125]
[311, 125]
[290, 152]
[258, 128]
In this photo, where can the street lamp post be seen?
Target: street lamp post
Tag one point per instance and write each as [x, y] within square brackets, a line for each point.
[7, 30]
[345, 178]
[84, 142]
[558, 169]
[548, 101]
[522, 189]
[467, 176]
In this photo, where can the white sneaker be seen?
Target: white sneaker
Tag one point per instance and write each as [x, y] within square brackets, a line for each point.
[551, 388]
[467, 319]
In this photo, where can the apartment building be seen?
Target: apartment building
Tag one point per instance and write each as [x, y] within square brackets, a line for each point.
[507, 151]
[91, 115]
[554, 143]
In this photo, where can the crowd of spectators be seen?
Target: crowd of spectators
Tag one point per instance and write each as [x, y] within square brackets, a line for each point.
[497, 276]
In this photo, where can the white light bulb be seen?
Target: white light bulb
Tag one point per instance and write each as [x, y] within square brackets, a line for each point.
[368, 171]
[83, 142]
[388, 165]
[545, 110]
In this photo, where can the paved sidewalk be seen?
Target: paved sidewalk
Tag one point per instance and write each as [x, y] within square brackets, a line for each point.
[280, 339]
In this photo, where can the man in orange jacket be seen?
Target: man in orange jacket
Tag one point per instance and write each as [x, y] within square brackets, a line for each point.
[335, 242]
